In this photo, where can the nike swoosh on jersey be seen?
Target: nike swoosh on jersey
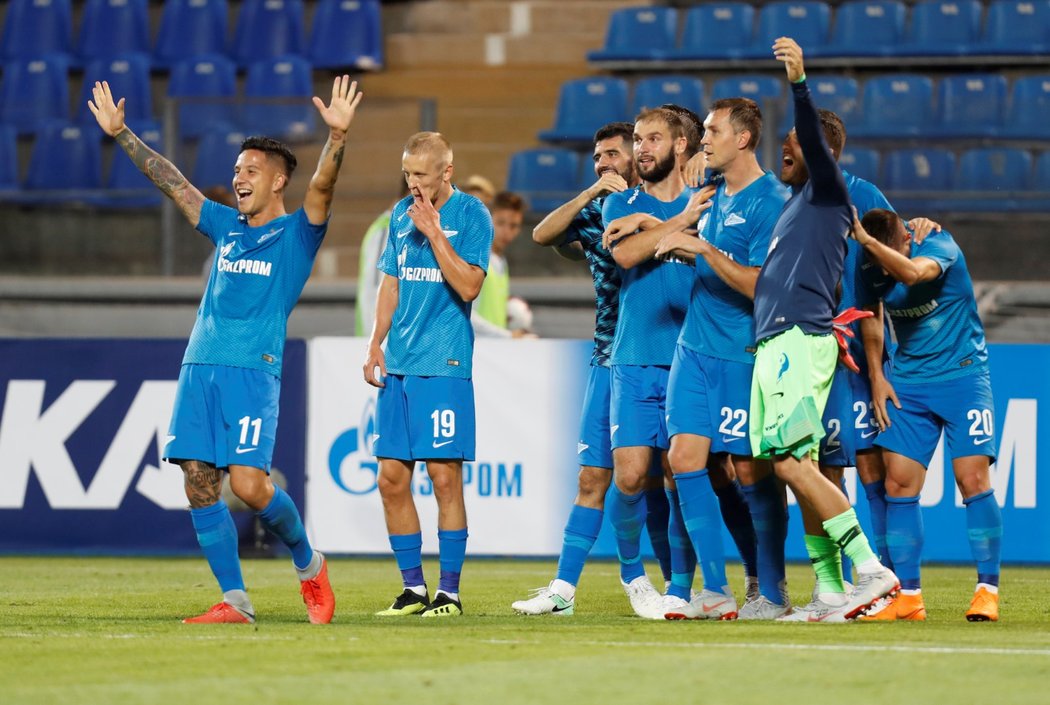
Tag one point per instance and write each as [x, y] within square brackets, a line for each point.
[442, 443]
[580, 447]
[240, 450]
[404, 233]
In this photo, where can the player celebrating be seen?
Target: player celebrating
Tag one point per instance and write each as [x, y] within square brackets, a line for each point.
[434, 266]
[225, 415]
[942, 383]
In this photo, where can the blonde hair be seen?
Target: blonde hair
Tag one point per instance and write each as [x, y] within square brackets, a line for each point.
[433, 143]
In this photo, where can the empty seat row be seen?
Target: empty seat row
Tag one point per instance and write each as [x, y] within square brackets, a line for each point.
[893, 105]
[36, 91]
[344, 33]
[857, 28]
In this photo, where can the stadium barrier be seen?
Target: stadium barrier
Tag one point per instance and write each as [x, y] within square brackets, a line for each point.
[83, 421]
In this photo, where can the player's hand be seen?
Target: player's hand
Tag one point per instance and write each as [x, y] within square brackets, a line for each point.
[787, 50]
[375, 367]
[681, 243]
[627, 225]
[110, 115]
[698, 203]
[424, 216]
[857, 231]
[694, 169]
[881, 390]
[921, 227]
[608, 182]
[340, 112]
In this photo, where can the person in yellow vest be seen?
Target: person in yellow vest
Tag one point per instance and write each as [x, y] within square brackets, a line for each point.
[490, 309]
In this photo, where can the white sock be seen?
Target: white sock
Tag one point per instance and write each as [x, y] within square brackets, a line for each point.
[994, 589]
[835, 599]
[420, 590]
[453, 595]
[911, 592]
[565, 590]
[239, 600]
[312, 569]
[870, 566]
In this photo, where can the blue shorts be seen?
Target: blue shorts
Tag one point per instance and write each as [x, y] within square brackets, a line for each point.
[425, 418]
[710, 397]
[838, 447]
[864, 427]
[595, 446]
[224, 416]
[637, 412]
[961, 407]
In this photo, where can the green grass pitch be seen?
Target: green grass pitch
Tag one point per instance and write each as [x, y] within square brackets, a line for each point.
[107, 630]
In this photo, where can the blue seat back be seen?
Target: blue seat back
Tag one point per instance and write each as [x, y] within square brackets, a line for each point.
[994, 169]
[655, 91]
[66, 156]
[898, 105]
[189, 29]
[128, 78]
[861, 162]
[639, 33]
[839, 94]
[208, 82]
[972, 104]
[807, 22]
[759, 88]
[944, 27]
[267, 29]
[865, 27]
[919, 170]
[133, 189]
[585, 104]
[717, 30]
[288, 78]
[112, 28]
[347, 33]
[546, 177]
[35, 27]
[1029, 107]
[1017, 27]
[33, 92]
[1041, 180]
[217, 153]
[8, 158]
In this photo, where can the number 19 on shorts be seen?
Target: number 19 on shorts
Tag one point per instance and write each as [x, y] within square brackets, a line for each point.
[444, 426]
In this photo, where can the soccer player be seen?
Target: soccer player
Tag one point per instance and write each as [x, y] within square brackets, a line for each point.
[797, 353]
[653, 301]
[578, 222]
[434, 266]
[225, 415]
[710, 380]
[940, 382]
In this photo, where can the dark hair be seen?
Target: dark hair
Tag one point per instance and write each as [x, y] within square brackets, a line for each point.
[834, 131]
[692, 125]
[881, 224]
[670, 117]
[744, 114]
[615, 129]
[272, 148]
[508, 200]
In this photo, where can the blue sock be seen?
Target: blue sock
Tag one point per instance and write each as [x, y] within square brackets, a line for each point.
[876, 494]
[984, 526]
[452, 548]
[217, 536]
[627, 516]
[657, 517]
[703, 522]
[847, 564]
[408, 551]
[282, 518]
[737, 518]
[769, 516]
[683, 558]
[580, 534]
[904, 538]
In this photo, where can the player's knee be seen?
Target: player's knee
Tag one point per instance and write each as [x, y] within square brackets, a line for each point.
[593, 486]
[973, 483]
[393, 485]
[446, 484]
[254, 491]
[684, 459]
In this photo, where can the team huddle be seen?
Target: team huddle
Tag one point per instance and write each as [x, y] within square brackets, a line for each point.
[742, 346]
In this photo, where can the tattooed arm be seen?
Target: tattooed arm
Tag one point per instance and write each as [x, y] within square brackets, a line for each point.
[338, 116]
[160, 171]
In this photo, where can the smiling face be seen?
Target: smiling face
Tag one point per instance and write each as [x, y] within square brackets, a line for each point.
[257, 181]
[655, 151]
[614, 155]
[793, 171]
[427, 174]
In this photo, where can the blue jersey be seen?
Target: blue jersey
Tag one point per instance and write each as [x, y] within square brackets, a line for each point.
[798, 281]
[586, 228]
[431, 335]
[654, 295]
[719, 322]
[254, 284]
[939, 334]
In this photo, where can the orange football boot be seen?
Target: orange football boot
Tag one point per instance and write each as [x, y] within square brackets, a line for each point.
[222, 613]
[902, 608]
[318, 596]
[984, 607]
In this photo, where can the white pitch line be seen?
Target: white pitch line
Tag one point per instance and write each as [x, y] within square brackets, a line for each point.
[990, 651]
[185, 637]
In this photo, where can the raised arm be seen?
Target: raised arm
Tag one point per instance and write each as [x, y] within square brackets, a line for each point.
[110, 117]
[464, 278]
[908, 271]
[552, 229]
[829, 187]
[337, 115]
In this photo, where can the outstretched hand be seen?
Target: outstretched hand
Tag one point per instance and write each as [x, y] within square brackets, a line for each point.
[340, 112]
[787, 50]
[110, 115]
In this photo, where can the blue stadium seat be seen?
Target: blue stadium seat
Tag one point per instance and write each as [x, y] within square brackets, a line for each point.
[127, 187]
[1039, 197]
[681, 90]
[861, 162]
[112, 28]
[208, 85]
[917, 180]
[289, 79]
[216, 154]
[584, 105]
[189, 29]
[639, 34]
[347, 33]
[899, 105]
[34, 91]
[1016, 27]
[1029, 107]
[8, 160]
[943, 28]
[764, 90]
[128, 77]
[971, 105]
[65, 157]
[867, 28]
[35, 27]
[806, 22]
[267, 29]
[546, 177]
[717, 31]
[991, 177]
[839, 94]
